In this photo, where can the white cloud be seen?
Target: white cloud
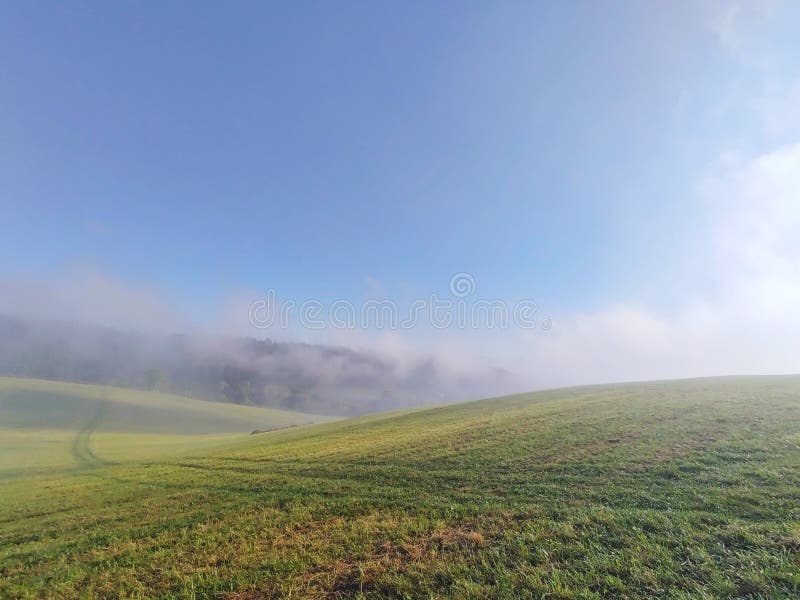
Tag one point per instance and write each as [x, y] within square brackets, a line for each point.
[737, 25]
[749, 323]
[746, 319]
[755, 239]
[725, 26]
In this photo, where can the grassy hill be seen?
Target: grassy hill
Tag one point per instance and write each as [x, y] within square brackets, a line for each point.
[683, 489]
[51, 424]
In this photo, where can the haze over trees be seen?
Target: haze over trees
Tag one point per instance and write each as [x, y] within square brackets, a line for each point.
[305, 377]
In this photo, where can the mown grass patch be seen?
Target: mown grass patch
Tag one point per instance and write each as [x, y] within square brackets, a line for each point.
[659, 490]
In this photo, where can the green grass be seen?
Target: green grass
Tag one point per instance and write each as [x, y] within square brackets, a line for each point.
[57, 425]
[684, 489]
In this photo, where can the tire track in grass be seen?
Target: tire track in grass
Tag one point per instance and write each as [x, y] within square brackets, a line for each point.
[81, 449]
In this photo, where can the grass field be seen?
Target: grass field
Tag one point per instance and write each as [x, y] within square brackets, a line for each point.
[56, 425]
[685, 489]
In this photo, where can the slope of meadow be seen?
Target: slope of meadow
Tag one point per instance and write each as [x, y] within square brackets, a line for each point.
[53, 425]
[683, 489]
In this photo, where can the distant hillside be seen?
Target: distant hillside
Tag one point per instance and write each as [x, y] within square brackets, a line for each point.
[36, 404]
[57, 424]
[293, 376]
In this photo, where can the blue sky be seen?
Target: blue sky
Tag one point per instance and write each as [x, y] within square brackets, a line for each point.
[561, 152]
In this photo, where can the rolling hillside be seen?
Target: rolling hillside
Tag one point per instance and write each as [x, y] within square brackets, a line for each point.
[55, 424]
[683, 489]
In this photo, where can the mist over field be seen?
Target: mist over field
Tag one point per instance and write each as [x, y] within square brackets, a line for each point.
[306, 377]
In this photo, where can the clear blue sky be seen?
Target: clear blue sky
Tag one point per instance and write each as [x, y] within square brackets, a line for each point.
[553, 150]
[305, 147]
